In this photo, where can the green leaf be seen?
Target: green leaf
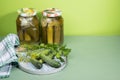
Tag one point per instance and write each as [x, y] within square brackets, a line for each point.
[66, 51]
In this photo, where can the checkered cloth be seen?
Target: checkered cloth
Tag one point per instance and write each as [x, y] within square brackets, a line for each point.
[8, 54]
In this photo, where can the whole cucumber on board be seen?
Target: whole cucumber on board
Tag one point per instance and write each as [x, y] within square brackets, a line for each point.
[50, 61]
[36, 63]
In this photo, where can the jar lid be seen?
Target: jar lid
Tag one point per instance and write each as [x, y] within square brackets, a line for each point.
[27, 12]
[52, 12]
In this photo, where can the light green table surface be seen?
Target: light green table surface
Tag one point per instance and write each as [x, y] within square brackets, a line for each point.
[92, 58]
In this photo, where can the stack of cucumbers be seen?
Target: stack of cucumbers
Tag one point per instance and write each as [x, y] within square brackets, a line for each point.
[49, 54]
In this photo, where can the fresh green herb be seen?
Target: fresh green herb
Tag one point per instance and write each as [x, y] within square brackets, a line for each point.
[47, 53]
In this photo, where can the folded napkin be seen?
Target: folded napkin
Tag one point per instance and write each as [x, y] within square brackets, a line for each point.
[8, 54]
[5, 71]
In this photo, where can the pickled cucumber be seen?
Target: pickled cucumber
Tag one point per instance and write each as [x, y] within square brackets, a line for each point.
[36, 63]
[50, 61]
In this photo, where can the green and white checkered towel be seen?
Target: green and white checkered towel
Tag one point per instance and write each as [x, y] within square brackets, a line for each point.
[8, 54]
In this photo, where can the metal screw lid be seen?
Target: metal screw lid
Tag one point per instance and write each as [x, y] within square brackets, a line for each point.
[52, 12]
[26, 12]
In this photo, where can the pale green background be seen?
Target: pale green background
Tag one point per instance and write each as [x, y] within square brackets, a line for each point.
[81, 17]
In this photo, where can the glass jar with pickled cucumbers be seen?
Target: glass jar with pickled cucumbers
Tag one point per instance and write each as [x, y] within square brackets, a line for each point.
[52, 26]
[28, 26]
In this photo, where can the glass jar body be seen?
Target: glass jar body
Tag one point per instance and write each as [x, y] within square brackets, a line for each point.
[28, 29]
[52, 30]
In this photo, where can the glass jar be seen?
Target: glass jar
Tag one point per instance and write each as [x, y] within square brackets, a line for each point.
[52, 26]
[28, 26]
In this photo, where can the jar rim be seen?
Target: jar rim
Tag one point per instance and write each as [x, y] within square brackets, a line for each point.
[52, 12]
